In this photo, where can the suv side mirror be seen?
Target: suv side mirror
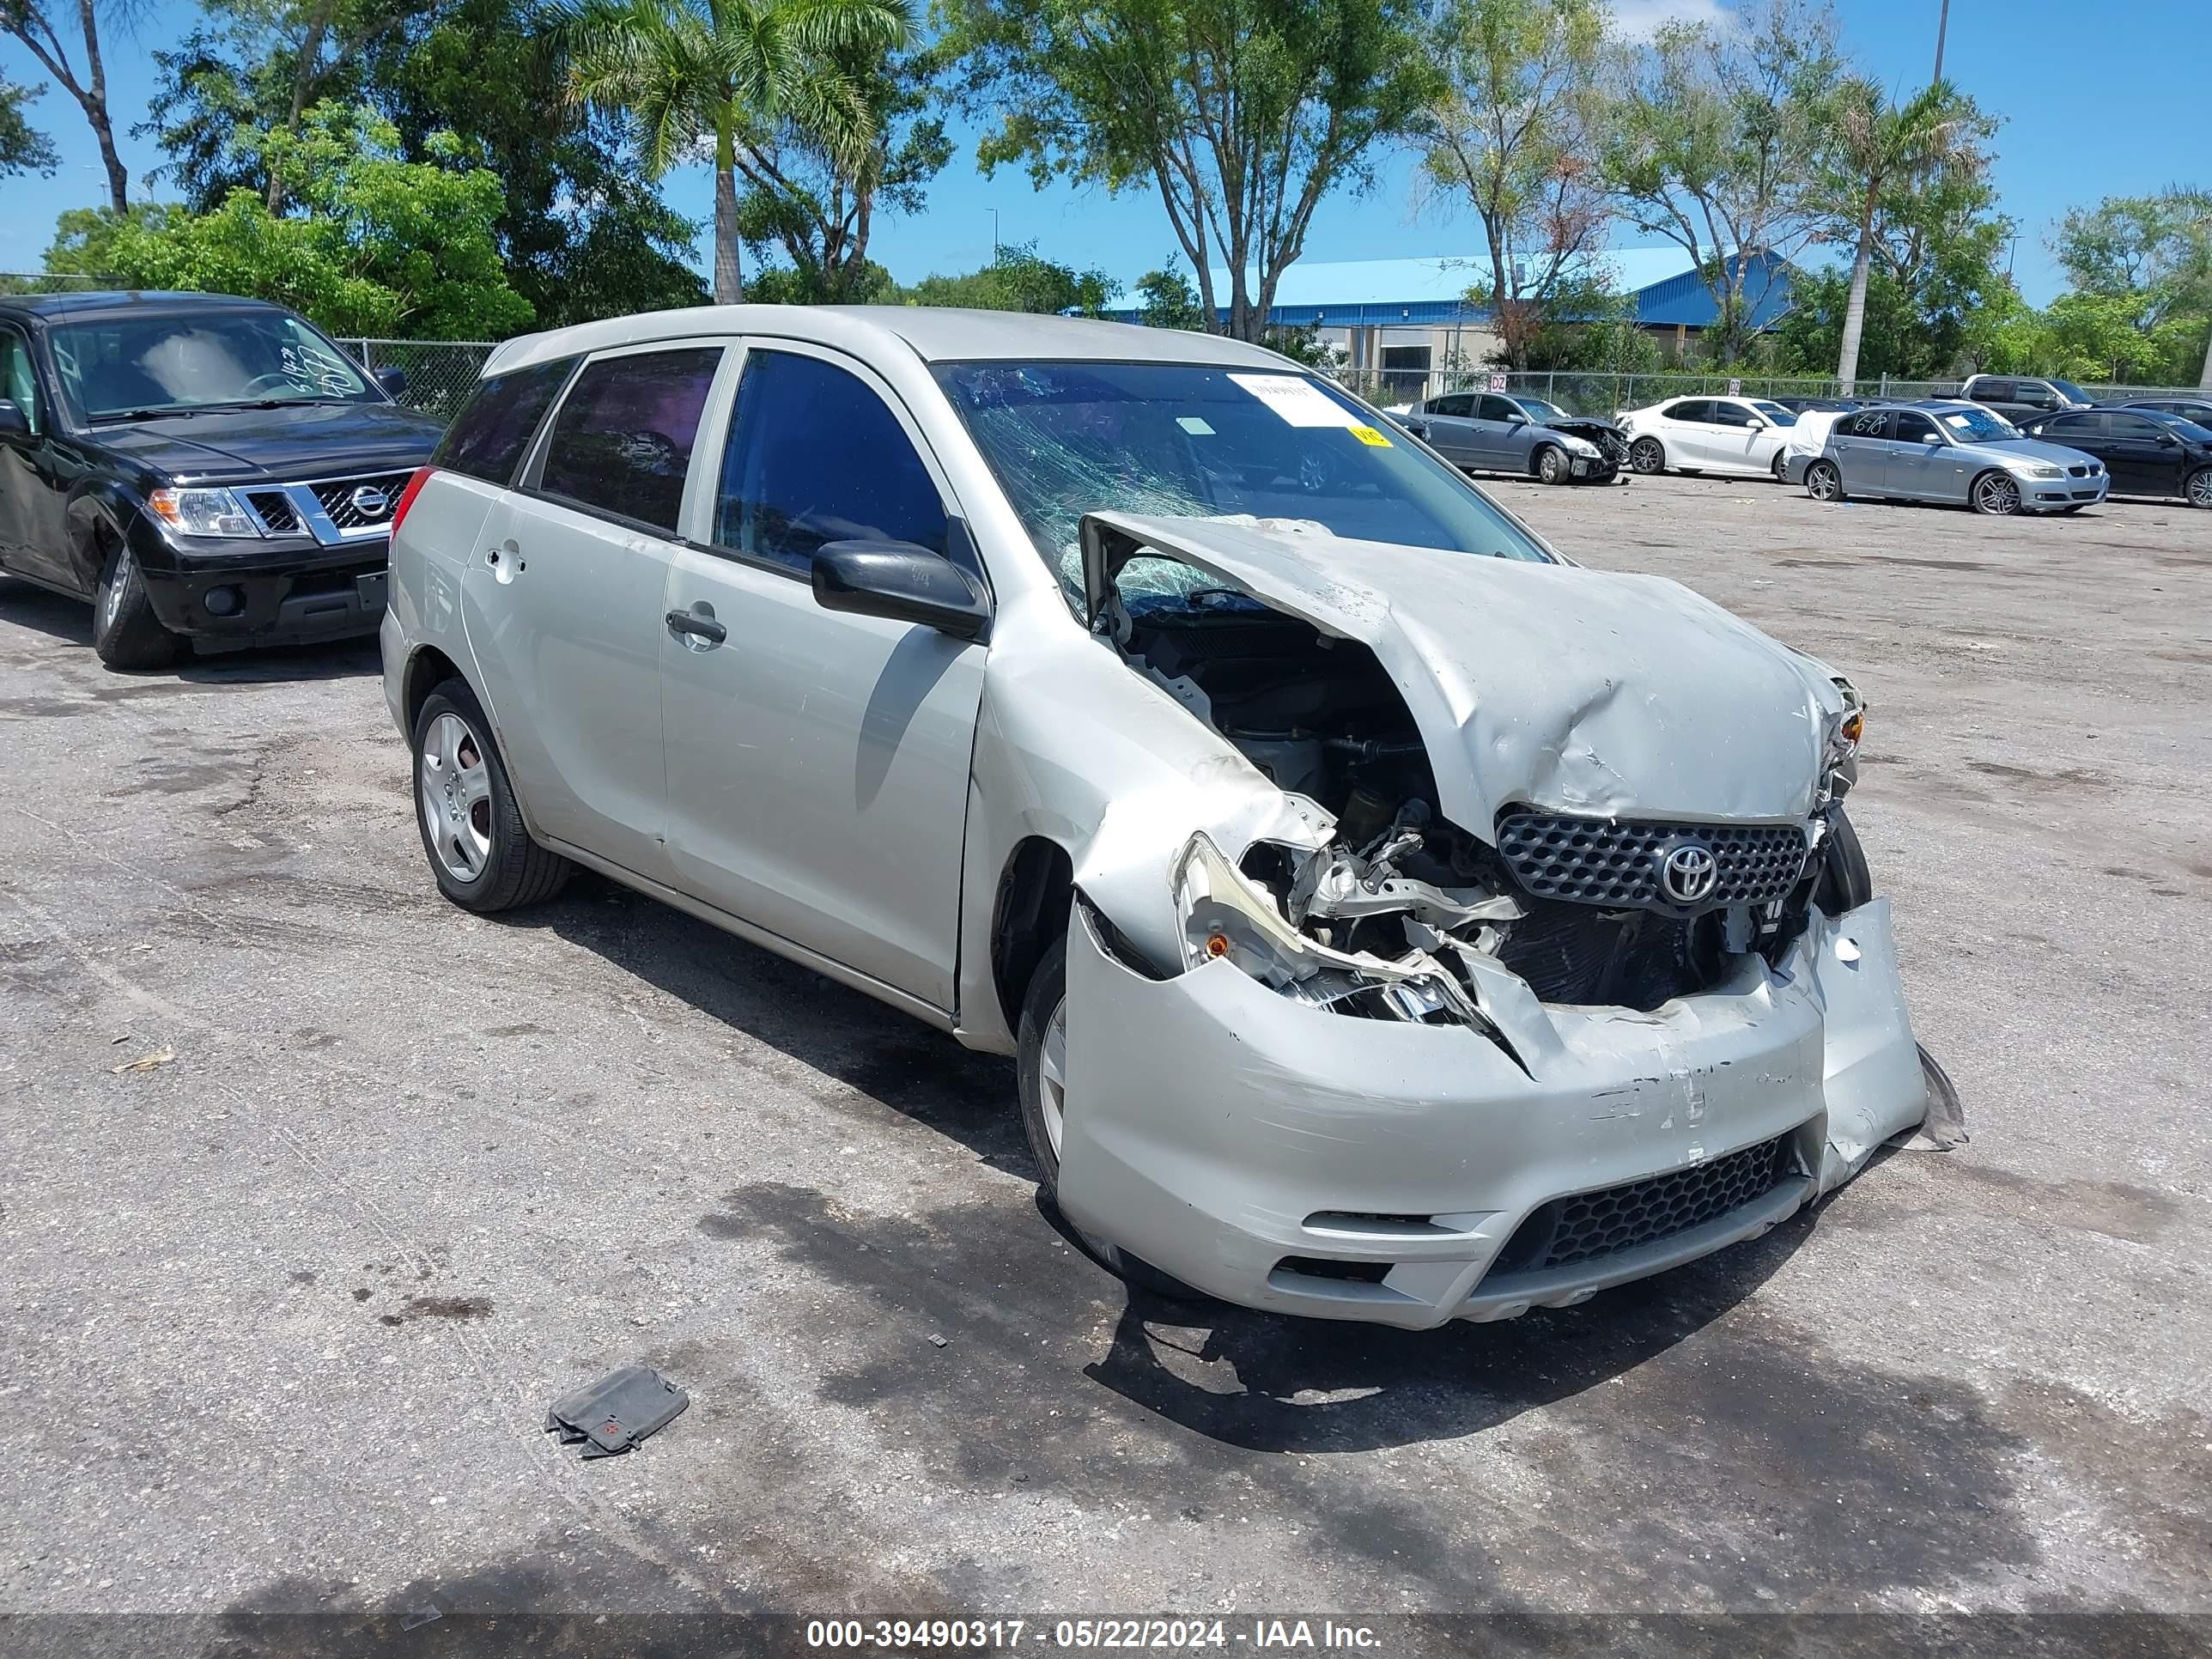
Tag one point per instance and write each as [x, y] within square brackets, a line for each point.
[393, 378]
[13, 423]
[904, 582]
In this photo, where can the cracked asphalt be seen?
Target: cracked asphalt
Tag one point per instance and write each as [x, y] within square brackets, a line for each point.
[282, 1309]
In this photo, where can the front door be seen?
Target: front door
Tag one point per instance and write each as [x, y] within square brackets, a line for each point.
[562, 601]
[2142, 455]
[818, 761]
[1919, 463]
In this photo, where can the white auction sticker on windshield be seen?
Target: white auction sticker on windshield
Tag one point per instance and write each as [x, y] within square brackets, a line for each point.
[1298, 400]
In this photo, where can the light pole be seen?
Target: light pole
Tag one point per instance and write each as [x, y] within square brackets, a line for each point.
[1942, 28]
[995, 214]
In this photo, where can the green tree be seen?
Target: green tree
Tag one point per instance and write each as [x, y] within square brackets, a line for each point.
[2151, 257]
[730, 74]
[1875, 145]
[816, 203]
[372, 244]
[1018, 278]
[32, 22]
[1509, 129]
[1166, 300]
[1716, 132]
[23, 148]
[1242, 114]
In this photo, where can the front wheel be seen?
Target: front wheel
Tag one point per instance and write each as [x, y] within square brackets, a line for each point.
[125, 632]
[1996, 494]
[480, 853]
[2198, 489]
[1647, 455]
[1823, 483]
[1040, 1075]
[1551, 465]
[1781, 467]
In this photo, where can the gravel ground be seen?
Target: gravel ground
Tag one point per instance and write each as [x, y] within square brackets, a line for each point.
[282, 1312]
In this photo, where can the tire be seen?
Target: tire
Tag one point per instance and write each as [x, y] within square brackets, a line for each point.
[1845, 881]
[1648, 456]
[1039, 1077]
[125, 632]
[1552, 464]
[1996, 494]
[1780, 466]
[2196, 489]
[480, 853]
[1824, 482]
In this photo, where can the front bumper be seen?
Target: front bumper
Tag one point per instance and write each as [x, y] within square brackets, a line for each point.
[288, 591]
[1218, 1131]
[2057, 495]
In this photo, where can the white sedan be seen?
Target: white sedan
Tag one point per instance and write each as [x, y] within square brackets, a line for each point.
[1745, 436]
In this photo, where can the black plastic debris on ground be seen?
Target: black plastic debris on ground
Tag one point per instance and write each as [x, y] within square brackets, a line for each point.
[617, 1411]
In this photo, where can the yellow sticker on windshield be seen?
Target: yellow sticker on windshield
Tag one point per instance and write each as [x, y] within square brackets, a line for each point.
[1370, 437]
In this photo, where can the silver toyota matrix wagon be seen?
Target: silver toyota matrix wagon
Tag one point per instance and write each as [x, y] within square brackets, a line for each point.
[1391, 920]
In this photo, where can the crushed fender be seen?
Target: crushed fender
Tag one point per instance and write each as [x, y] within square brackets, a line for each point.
[617, 1411]
[1944, 1128]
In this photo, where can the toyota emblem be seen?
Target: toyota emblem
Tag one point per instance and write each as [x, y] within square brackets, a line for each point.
[1689, 873]
[370, 501]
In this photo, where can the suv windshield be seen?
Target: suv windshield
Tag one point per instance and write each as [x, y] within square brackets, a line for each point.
[1976, 426]
[1186, 441]
[118, 365]
[2071, 392]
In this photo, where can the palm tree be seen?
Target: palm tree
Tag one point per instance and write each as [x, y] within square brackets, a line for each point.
[1875, 144]
[691, 71]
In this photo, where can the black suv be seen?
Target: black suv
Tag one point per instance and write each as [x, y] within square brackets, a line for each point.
[197, 464]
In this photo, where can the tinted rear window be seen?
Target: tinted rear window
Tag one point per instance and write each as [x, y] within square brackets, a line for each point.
[621, 442]
[487, 438]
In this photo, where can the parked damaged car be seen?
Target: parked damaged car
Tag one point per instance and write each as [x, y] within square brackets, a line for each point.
[1491, 432]
[1389, 919]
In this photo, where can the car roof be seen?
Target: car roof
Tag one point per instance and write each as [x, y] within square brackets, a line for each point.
[141, 301]
[935, 334]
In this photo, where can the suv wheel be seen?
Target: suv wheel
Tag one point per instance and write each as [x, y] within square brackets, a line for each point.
[1041, 1074]
[481, 856]
[1647, 455]
[125, 632]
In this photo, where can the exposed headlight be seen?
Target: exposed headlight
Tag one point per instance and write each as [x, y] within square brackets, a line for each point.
[204, 512]
[1839, 768]
[2043, 471]
[1581, 447]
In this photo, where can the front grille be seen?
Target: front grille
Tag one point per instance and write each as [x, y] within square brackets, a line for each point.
[1615, 862]
[1589, 1226]
[380, 493]
[2078, 472]
[274, 510]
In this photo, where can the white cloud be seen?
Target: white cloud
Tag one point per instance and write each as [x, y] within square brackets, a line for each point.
[1639, 20]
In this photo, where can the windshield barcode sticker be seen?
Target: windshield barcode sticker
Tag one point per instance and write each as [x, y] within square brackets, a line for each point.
[1298, 400]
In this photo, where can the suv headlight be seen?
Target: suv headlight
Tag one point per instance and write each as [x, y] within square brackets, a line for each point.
[204, 512]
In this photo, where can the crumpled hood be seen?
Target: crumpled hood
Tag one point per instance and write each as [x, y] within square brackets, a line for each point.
[1579, 690]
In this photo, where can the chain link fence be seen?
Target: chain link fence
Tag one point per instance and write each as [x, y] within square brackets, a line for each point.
[1597, 393]
[439, 374]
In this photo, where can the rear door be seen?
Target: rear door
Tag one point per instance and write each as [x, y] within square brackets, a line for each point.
[1689, 432]
[1451, 420]
[564, 600]
[1859, 450]
[818, 761]
[35, 474]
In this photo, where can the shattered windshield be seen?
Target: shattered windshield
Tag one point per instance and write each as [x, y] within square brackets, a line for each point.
[1188, 441]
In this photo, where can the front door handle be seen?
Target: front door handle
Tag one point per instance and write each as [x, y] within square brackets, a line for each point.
[704, 628]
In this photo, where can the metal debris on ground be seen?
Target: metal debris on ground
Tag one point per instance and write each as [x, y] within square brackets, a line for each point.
[617, 1411]
[145, 1062]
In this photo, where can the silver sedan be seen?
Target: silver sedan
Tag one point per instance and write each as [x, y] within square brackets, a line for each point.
[1491, 432]
[1957, 454]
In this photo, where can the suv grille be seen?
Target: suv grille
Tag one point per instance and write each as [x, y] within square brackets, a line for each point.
[377, 495]
[275, 508]
[1615, 861]
[1590, 1225]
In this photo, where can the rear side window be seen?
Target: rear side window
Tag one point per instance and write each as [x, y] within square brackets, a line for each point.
[621, 442]
[2138, 427]
[1695, 411]
[1869, 424]
[1995, 391]
[2076, 426]
[487, 438]
[816, 456]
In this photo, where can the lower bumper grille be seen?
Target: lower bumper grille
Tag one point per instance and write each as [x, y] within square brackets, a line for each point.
[1589, 1226]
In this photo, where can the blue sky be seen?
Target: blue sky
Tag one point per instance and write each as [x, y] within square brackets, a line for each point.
[2098, 99]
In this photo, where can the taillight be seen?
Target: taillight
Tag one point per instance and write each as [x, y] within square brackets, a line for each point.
[407, 496]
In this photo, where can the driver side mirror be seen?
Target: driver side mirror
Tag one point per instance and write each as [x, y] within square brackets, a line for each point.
[1759, 424]
[393, 378]
[1516, 418]
[904, 582]
[1931, 437]
[13, 423]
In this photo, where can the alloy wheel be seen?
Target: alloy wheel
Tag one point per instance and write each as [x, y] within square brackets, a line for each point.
[1997, 493]
[1646, 456]
[2200, 487]
[1781, 466]
[1823, 483]
[1550, 465]
[1052, 1078]
[112, 601]
[454, 790]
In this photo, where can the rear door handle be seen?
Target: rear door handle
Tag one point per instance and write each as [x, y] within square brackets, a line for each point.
[699, 627]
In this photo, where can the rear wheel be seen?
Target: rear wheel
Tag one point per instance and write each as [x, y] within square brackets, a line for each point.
[125, 632]
[2198, 489]
[1040, 1073]
[1996, 494]
[1647, 455]
[1551, 465]
[1823, 482]
[481, 856]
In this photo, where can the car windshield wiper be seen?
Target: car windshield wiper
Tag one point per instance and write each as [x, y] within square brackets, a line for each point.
[106, 416]
[268, 403]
